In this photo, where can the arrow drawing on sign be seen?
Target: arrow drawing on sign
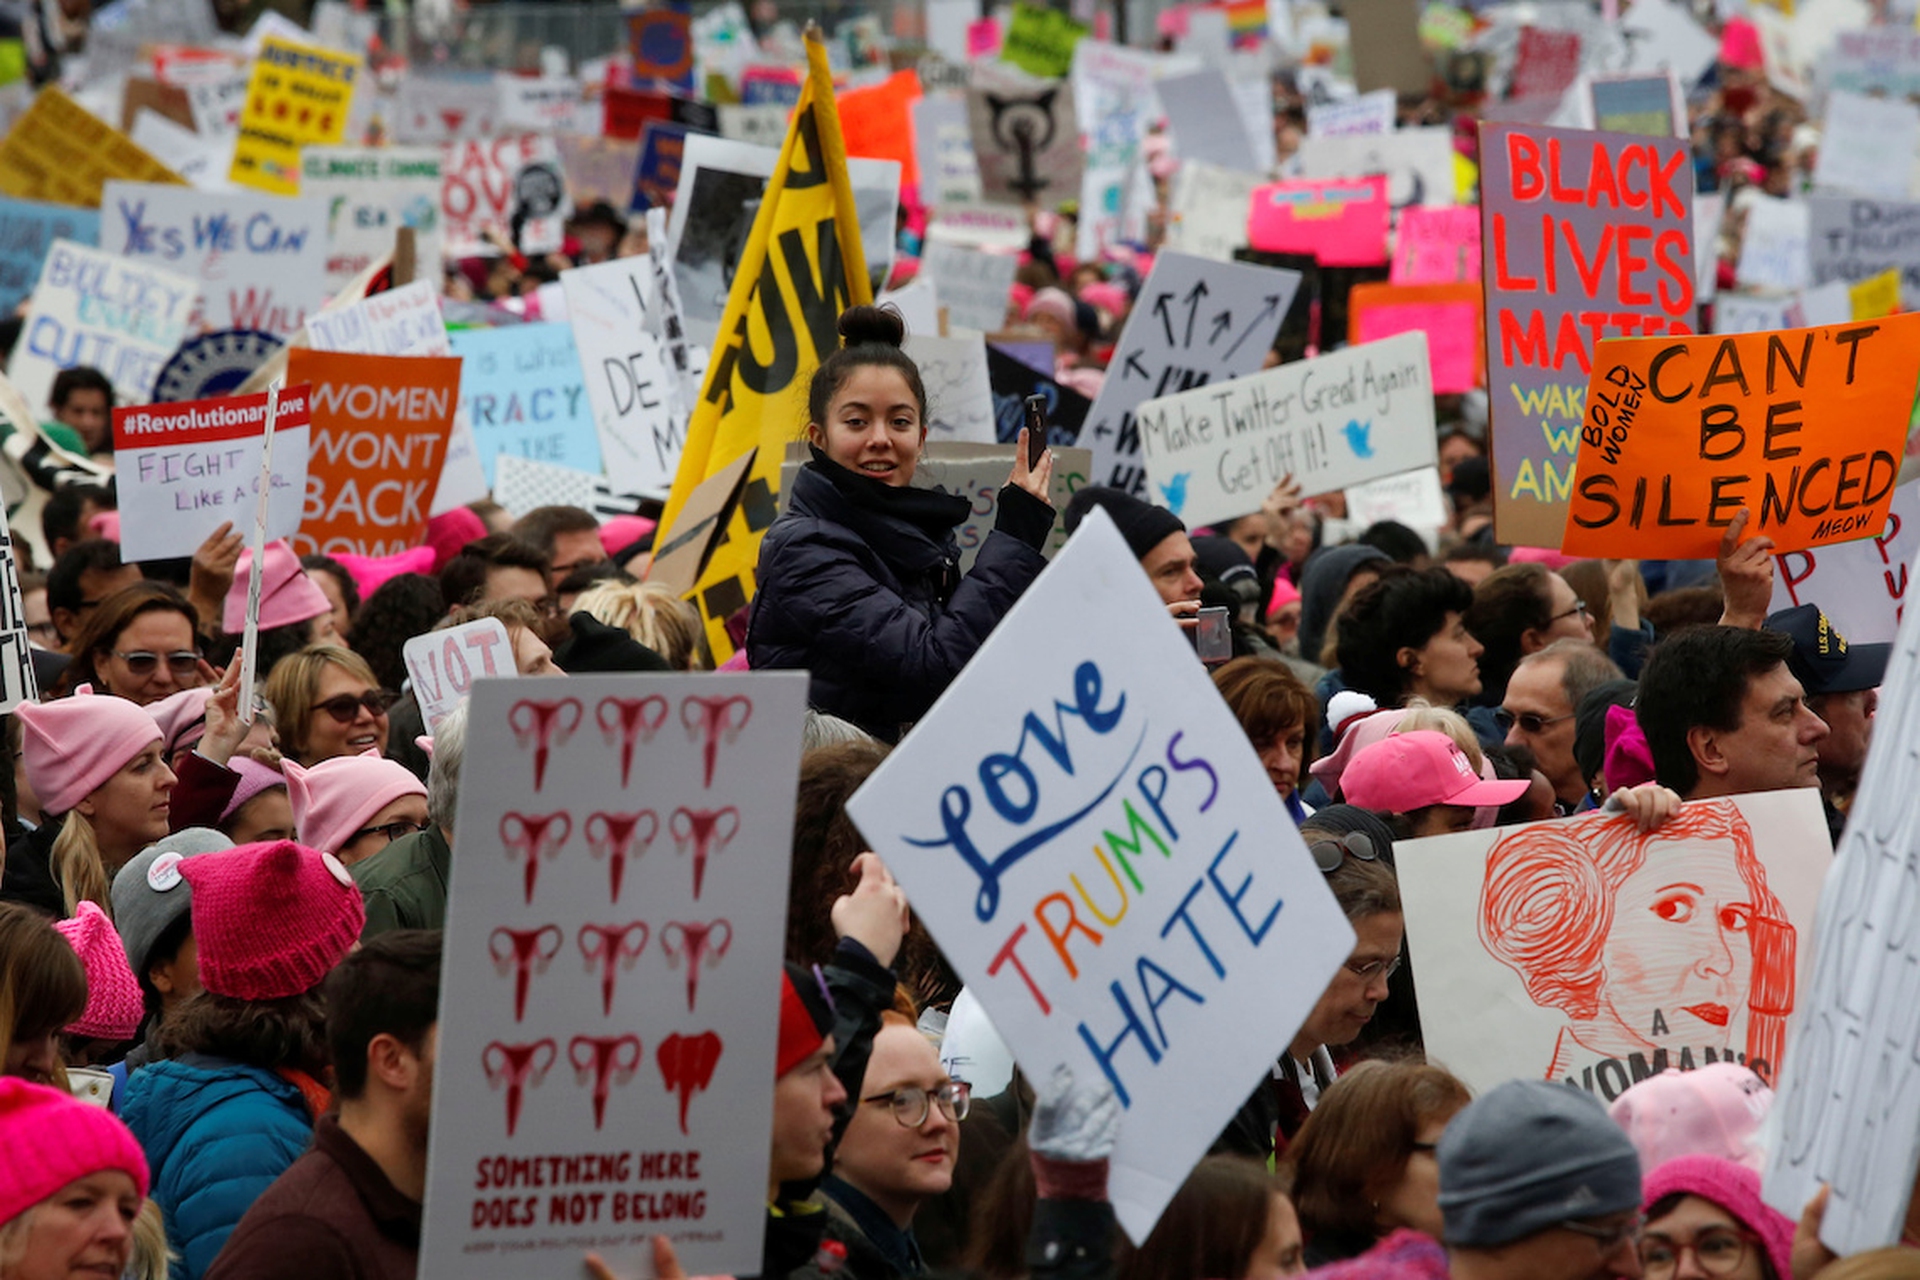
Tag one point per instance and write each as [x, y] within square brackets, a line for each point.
[1166, 316]
[1273, 305]
[1221, 323]
[1133, 365]
[1194, 295]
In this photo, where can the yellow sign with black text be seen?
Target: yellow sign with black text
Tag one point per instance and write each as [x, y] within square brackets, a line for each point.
[298, 95]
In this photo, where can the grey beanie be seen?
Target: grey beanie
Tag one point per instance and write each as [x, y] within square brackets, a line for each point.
[149, 895]
[1527, 1156]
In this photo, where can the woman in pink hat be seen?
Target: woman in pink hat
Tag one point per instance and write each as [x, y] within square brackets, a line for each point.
[327, 704]
[294, 613]
[355, 806]
[139, 644]
[1705, 1218]
[72, 1183]
[43, 988]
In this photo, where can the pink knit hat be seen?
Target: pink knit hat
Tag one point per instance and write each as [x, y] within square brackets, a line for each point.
[451, 530]
[1359, 734]
[49, 1138]
[114, 1007]
[1284, 594]
[1629, 759]
[1110, 298]
[182, 718]
[271, 920]
[71, 747]
[287, 595]
[369, 572]
[1714, 1111]
[335, 798]
[1052, 302]
[254, 778]
[1734, 1188]
[617, 533]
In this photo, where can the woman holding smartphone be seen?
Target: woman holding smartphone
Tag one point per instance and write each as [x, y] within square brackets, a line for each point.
[859, 579]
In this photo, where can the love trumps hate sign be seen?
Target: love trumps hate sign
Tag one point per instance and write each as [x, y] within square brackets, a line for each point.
[1107, 865]
[1804, 427]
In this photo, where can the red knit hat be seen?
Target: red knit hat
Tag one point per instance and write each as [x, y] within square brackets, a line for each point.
[114, 1007]
[271, 920]
[806, 1016]
[48, 1139]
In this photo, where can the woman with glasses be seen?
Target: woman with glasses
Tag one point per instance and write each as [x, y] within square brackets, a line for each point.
[1705, 1218]
[139, 644]
[326, 703]
[1518, 610]
[354, 806]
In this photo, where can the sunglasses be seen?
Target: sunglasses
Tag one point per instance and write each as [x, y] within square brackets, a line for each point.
[1528, 721]
[1329, 854]
[144, 662]
[391, 830]
[345, 707]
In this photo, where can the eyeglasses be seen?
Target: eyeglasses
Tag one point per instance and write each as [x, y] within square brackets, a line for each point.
[43, 629]
[391, 830]
[345, 707]
[1376, 968]
[1329, 854]
[912, 1105]
[1528, 721]
[1718, 1250]
[1607, 1239]
[144, 662]
[1579, 607]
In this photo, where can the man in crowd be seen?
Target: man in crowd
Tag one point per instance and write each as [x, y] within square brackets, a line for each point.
[82, 400]
[1842, 682]
[1539, 706]
[500, 566]
[1157, 538]
[568, 536]
[85, 574]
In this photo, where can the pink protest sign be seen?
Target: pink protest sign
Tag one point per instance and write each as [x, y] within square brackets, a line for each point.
[1437, 246]
[1342, 222]
[983, 39]
[1450, 316]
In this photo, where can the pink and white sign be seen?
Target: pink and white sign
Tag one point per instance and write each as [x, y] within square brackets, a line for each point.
[1342, 222]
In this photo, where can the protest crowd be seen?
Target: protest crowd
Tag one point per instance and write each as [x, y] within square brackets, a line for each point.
[876, 515]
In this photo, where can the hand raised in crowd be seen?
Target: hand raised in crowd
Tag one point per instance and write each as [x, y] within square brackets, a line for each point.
[1623, 593]
[1282, 502]
[1809, 1255]
[875, 913]
[1035, 480]
[214, 565]
[1650, 805]
[226, 730]
[1746, 575]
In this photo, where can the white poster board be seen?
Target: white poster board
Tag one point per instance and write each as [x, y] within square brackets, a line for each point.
[610, 1001]
[1082, 782]
[959, 392]
[1418, 163]
[17, 681]
[124, 318]
[371, 192]
[1366, 115]
[1861, 145]
[1209, 210]
[1205, 122]
[443, 665]
[943, 146]
[1861, 586]
[973, 286]
[635, 403]
[1773, 251]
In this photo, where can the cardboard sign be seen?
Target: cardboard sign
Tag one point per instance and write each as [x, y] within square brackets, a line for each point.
[973, 286]
[1774, 249]
[1855, 240]
[1120, 781]
[521, 388]
[1448, 314]
[1805, 428]
[679, 561]
[186, 469]
[1195, 322]
[484, 180]
[1387, 53]
[370, 193]
[1209, 210]
[380, 428]
[1040, 40]
[1576, 225]
[443, 665]
[1027, 141]
[27, 232]
[1862, 585]
[123, 318]
[299, 94]
[629, 385]
[1205, 122]
[1437, 246]
[1858, 142]
[1341, 222]
[261, 260]
[60, 152]
[959, 393]
[1635, 981]
[1364, 411]
[610, 1003]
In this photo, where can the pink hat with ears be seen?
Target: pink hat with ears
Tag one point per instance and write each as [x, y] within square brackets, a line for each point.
[370, 571]
[451, 530]
[1715, 1110]
[287, 595]
[1736, 1189]
[1358, 733]
[335, 798]
[271, 920]
[71, 747]
[621, 532]
[182, 718]
[114, 1007]
[1284, 594]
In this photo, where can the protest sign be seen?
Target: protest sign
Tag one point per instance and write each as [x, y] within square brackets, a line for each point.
[679, 561]
[763, 125]
[1204, 121]
[483, 180]
[541, 104]
[17, 681]
[1861, 585]
[1875, 296]
[974, 287]
[663, 148]
[1627, 989]
[260, 260]
[1450, 316]
[1661, 36]
[1741, 313]
[1013, 381]
[877, 122]
[1775, 249]
[1027, 141]
[1387, 53]
[1823, 304]
[1437, 246]
[1364, 411]
[597, 169]
[201, 160]
[1367, 114]
[1040, 40]
[442, 108]
[442, 665]
[948, 171]
[166, 100]
[918, 304]
[186, 469]
[370, 193]
[522, 484]
[626, 1089]
[959, 393]
[660, 44]
[90, 308]
[1341, 222]
[299, 94]
[1208, 211]
[1862, 143]
[521, 388]
[1805, 428]
[1586, 235]
[380, 428]
[1144, 763]
[1546, 62]
[1648, 105]
[1413, 498]
[1418, 163]
[1879, 60]
[1854, 240]
[27, 232]
[1195, 322]
[60, 152]
[629, 388]
[980, 226]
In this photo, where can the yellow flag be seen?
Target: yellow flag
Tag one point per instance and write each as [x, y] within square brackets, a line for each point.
[778, 326]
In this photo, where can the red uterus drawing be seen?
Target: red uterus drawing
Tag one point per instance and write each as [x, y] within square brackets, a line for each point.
[711, 721]
[611, 947]
[627, 721]
[686, 1065]
[705, 831]
[694, 942]
[606, 1061]
[534, 836]
[619, 836]
[523, 953]
[543, 725]
[516, 1067]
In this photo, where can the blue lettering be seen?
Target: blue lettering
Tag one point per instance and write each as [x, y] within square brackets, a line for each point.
[1195, 763]
[1233, 899]
[1104, 1055]
[1168, 985]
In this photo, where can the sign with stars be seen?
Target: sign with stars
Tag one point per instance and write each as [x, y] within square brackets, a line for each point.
[298, 94]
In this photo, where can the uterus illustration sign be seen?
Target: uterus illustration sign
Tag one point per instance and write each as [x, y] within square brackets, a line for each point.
[1591, 954]
[610, 998]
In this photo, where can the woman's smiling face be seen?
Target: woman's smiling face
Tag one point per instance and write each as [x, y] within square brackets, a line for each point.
[1680, 951]
[873, 425]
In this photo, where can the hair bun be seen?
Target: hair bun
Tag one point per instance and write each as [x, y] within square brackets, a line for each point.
[881, 326]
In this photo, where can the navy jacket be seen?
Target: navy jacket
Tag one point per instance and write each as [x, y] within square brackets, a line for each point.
[858, 584]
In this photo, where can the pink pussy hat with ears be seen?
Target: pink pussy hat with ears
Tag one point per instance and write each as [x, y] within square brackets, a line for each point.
[71, 747]
[271, 920]
[1736, 1189]
[371, 572]
[182, 718]
[114, 1007]
[451, 530]
[337, 797]
[49, 1139]
[1714, 1111]
[287, 595]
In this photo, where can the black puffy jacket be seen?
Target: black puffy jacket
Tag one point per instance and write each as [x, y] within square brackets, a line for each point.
[858, 584]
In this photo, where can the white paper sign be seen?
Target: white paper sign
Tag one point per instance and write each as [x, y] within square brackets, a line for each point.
[1370, 113]
[1862, 144]
[943, 144]
[981, 226]
[1743, 313]
[972, 285]
[442, 665]
[17, 682]
[481, 180]
[1210, 206]
[1773, 253]
[1195, 322]
[627, 379]
[959, 393]
[1414, 498]
[1663, 36]
[200, 159]
[1205, 121]
[609, 1005]
[1084, 828]
[123, 318]
[371, 192]
[762, 124]
[439, 109]
[1861, 586]
[1418, 163]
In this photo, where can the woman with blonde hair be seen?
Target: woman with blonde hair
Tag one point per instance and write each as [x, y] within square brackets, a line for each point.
[73, 1184]
[327, 703]
[654, 616]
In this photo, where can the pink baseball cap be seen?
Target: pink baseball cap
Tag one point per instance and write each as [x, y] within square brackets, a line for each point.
[271, 920]
[287, 595]
[337, 797]
[1424, 767]
[1716, 1110]
[114, 1007]
[71, 747]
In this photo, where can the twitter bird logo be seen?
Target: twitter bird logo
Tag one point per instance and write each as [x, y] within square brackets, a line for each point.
[1357, 433]
[1175, 491]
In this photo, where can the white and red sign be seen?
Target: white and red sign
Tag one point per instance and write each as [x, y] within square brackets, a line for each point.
[442, 665]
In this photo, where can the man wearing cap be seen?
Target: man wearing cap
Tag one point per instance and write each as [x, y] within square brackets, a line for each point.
[1536, 1183]
[1158, 540]
[1842, 684]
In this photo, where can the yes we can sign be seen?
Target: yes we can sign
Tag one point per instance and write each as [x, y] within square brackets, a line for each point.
[1082, 824]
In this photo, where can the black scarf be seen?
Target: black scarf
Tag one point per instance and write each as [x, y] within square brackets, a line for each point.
[933, 513]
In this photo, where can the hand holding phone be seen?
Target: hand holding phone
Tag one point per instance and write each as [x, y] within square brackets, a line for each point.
[1036, 429]
[1213, 636]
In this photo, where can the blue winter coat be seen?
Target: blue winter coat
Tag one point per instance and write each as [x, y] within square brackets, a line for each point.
[216, 1134]
[858, 584]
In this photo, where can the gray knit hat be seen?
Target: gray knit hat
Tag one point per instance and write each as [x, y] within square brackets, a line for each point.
[1527, 1156]
[149, 894]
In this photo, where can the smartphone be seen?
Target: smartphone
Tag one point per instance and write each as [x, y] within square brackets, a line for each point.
[1036, 430]
[1213, 637]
